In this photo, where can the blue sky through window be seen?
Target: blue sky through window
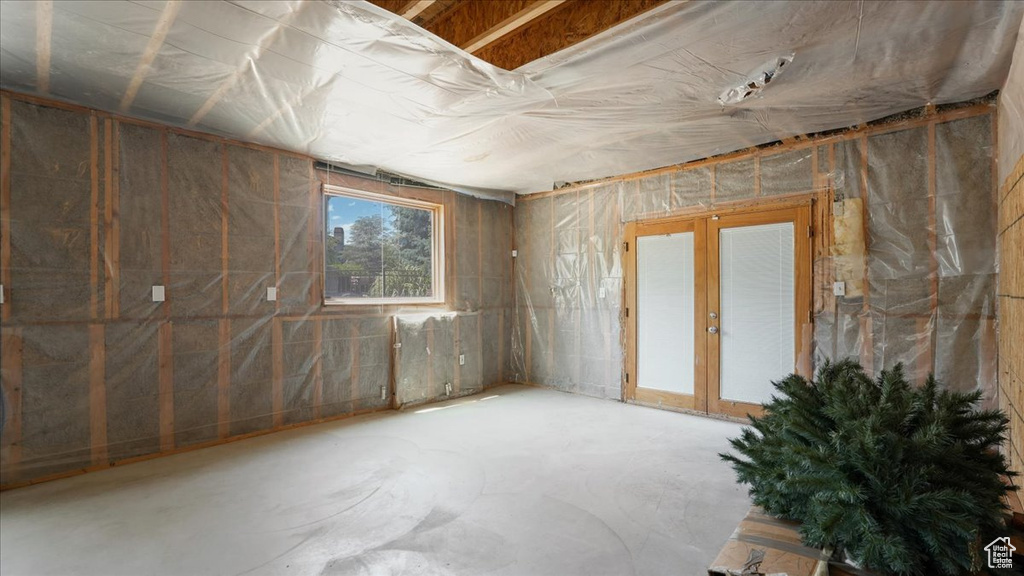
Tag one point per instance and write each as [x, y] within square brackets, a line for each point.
[343, 212]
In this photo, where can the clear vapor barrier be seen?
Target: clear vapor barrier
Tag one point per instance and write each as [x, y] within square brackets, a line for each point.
[904, 219]
[95, 370]
[348, 82]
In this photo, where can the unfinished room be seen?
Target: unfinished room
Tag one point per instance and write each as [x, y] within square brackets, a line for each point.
[511, 287]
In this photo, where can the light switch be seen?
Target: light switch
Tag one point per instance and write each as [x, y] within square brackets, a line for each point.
[515, 253]
[271, 294]
[462, 359]
[839, 288]
[601, 292]
[158, 293]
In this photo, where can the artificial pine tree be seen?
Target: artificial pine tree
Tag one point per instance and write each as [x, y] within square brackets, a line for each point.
[907, 480]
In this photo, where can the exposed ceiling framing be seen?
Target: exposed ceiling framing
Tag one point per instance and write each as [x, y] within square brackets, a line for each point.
[576, 90]
[44, 40]
[511, 33]
[170, 12]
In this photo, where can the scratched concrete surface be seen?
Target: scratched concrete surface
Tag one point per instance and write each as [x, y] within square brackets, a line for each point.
[514, 481]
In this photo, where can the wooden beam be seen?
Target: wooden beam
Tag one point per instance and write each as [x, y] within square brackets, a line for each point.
[224, 379]
[156, 41]
[407, 9]
[11, 353]
[44, 34]
[568, 24]
[108, 220]
[318, 364]
[415, 8]
[521, 18]
[97, 395]
[165, 222]
[224, 257]
[277, 363]
[165, 363]
[277, 230]
[94, 217]
[5, 205]
[354, 386]
[251, 56]
[510, 33]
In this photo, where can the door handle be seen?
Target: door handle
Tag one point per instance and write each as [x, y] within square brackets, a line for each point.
[713, 329]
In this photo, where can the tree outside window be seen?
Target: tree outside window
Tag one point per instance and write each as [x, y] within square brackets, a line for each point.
[378, 249]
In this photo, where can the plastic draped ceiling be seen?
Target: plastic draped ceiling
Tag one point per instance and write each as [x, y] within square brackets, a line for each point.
[351, 83]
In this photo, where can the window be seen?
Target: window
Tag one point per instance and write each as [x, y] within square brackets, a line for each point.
[381, 249]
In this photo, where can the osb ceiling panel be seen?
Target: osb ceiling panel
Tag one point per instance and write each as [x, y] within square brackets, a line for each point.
[511, 33]
[351, 82]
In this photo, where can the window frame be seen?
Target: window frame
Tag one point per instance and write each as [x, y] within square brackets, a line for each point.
[437, 259]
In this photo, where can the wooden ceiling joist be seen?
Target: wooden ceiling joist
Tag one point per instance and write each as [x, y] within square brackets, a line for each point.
[408, 9]
[415, 8]
[245, 66]
[569, 24]
[510, 33]
[44, 33]
[533, 11]
[156, 41]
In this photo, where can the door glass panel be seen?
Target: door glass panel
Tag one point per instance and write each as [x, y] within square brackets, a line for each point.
[664, 320]
[758, 307]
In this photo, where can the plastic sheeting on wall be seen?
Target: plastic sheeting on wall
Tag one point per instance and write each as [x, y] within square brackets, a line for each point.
[446, 355]
[349, 82]
[921, 268]
[94, 372]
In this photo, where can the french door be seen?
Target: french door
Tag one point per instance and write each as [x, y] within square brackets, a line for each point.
[717, 307]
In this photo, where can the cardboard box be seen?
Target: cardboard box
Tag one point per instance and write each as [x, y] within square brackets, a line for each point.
[763, 545]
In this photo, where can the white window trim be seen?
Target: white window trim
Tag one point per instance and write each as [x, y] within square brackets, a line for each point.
[437, 247]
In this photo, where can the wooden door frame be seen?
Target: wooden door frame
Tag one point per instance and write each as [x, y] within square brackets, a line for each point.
[704, 398]
[649, 396]
[800, 216]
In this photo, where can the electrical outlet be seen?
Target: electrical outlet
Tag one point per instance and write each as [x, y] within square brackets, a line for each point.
[271, 294]
[515, 253]
[447, 388]
[383, 393]
[158, 293]
[839, 288]
[462, 359]
[1, 293]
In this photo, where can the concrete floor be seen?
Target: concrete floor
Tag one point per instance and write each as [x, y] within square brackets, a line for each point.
[517, 481]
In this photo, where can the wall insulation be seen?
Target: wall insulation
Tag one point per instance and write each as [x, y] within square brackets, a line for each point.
[97, 209]
[1011, 311]
[915, 242]
[1011, 255]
